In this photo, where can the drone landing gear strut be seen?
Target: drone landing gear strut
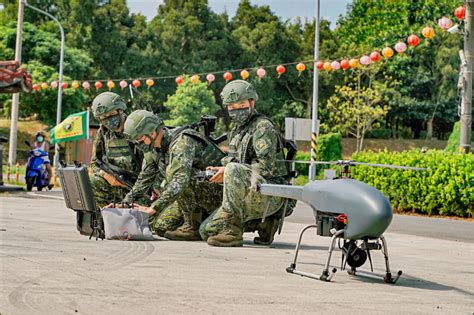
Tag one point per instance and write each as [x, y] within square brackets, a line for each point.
[354, 256]
[388, 278]
[326, 275]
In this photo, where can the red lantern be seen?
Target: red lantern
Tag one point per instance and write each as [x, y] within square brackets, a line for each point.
[460, 12]
[319, 65]
[413, 40]
[98, 85]
[179, 80]
[345, 64]
[227, 76]
[36, 87]
[136, 83]
[280, 69]
[375, 56]
[65, 85]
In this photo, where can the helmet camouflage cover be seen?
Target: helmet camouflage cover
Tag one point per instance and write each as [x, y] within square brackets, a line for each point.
[107, 102]
[237, 91]
[141, 122]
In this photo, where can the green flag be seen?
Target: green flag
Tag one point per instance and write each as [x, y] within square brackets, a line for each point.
[74, 127]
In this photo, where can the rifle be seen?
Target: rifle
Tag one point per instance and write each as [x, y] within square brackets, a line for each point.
[115, 172]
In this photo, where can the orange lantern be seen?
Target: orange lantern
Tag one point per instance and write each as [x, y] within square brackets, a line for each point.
[195, 79]
[44, 85]
[244, 74]
[280, 69]
[354, 63]
[110, 85]
[375, 56]
[413, 40]
[319, 65]
[428, 32]
[75, 84]
[227, 76]
[136, 83]
[149, 83]
[36, 87]
[179, 80]
[98, 85]
[345, 64]
[327, 66]
[460, 12]
[387, 52]
[300, 67]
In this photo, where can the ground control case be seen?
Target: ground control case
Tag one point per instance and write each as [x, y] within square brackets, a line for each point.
[78, 195]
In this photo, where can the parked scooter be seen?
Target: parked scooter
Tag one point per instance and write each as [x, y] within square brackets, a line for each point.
[36, 174]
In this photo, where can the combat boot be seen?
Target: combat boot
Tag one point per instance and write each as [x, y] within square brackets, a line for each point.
[230, 236]
[189, 231]
[266, 231]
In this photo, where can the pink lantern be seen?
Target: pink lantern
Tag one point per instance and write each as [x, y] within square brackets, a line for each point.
[123, 84]
[261, 72]
[86, 85]
[210, 78]
[445, 23]
[54, 84]
[335, 65]
[365, 60]
[400, 47]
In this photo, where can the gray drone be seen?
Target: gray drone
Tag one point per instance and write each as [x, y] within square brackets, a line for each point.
[345, 209]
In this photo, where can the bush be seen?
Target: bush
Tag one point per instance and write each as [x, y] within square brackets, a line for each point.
[454, 137]
[329, 149]
[446, 189]
[379, 133]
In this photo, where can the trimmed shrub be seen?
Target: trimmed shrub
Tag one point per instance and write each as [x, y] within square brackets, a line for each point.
[446, 189]
[454, 137]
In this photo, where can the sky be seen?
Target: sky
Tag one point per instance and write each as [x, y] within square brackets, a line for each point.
[286, 9]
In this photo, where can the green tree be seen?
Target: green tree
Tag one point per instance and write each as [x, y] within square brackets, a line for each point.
[190, 102]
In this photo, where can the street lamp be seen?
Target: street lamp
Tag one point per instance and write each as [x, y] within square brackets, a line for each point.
[314, 117]
[60, 81]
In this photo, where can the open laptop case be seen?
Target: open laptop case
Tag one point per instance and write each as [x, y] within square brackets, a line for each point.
[79, 196]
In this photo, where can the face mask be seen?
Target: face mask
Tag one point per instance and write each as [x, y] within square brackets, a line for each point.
[240, 116]
[39, 139]
[145, 147]
[112, 123]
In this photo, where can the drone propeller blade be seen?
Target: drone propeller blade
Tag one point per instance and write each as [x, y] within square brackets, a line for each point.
[311, 162]
[391, 166]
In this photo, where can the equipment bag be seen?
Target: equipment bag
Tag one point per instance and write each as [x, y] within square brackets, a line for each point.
[126, 224]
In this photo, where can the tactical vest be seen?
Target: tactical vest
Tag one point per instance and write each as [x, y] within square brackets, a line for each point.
[119, 153]
[241, 150]
[209, 155]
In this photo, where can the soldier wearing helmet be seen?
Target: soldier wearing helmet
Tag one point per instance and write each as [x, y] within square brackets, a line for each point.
[112, 148]
[41, 143]
[255, 157]
[182, 200]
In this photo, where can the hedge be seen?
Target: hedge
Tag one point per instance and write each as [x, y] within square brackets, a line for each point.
[446, 189]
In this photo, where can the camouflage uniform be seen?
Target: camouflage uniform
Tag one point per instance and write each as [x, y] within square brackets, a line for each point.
[184, 152]
[255, 157]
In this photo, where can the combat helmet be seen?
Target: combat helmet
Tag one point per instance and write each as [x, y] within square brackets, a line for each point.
[141, 122]
[107, 102]
[237, 91]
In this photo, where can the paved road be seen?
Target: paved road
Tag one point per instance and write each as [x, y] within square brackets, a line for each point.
[46, 267]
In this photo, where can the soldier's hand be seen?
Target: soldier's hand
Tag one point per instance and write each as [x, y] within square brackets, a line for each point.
[148, 210]
[113, 181]
[219, 176]
[155, 194]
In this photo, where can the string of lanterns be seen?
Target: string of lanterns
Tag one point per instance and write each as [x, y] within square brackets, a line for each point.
[400, 47]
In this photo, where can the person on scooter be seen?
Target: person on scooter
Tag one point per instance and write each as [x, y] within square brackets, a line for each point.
[41, 144]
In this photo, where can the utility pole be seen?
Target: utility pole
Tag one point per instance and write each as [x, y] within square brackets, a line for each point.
[314, 117]
[16, 96]
[466, 106]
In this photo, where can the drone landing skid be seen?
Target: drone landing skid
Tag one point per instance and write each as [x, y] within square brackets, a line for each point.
[327, 274]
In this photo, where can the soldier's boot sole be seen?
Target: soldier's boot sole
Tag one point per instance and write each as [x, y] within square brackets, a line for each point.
[180, 236]
[217, 241]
